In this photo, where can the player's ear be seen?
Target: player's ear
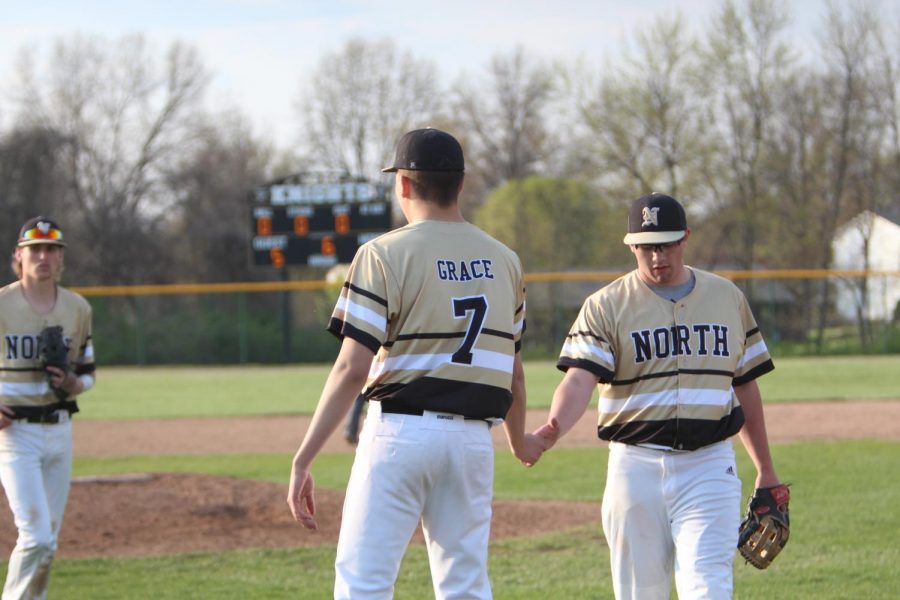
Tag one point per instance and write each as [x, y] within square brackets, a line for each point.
[687, 234]
[404, 185]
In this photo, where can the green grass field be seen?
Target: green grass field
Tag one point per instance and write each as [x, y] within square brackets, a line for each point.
[845, 497]
[171, 392]
[837, 549]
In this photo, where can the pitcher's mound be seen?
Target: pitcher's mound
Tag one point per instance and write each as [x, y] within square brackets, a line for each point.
[156, 514]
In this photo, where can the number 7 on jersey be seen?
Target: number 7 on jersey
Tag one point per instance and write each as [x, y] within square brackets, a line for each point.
[478, 306]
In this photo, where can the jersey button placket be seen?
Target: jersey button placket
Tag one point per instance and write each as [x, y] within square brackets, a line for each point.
[680, 364]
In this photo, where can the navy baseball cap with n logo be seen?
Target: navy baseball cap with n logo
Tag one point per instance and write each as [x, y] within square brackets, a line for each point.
[427, 150]
[655, 219]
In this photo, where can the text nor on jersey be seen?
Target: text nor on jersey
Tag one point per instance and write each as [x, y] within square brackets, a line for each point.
[26, 347]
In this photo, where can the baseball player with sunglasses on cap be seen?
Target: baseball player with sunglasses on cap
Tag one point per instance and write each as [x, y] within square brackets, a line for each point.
[37, 400]
[675, 352]
[431, 317]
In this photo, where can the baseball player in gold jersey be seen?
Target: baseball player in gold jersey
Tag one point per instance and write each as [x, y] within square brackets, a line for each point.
[431, 317]
[36, 405]
[676, 353]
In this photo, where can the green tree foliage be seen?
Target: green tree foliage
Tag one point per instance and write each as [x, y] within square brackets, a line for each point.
[557, 224]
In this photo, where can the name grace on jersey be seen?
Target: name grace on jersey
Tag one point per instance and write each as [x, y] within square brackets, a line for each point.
[680, 340]
[464, 270]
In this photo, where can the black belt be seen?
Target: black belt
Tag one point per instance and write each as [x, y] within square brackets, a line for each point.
[50, 419]
[396, 408]
[47, 414]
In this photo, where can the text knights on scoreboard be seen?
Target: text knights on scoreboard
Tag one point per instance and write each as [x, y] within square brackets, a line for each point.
[317, 219]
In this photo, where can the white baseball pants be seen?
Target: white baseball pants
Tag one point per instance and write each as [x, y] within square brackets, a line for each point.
[672, 510]
[437, 468]
[35, 470]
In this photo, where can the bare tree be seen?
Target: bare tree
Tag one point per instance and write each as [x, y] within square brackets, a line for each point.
[32, 180]
[644, 119]
[126, 117]
[360, 100]
[503, 117]
[745, 63]
[848, 41]
[211, 220]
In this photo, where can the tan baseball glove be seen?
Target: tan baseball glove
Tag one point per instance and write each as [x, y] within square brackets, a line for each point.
[766, 528]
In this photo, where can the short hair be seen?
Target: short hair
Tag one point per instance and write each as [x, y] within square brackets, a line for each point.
[440, 187]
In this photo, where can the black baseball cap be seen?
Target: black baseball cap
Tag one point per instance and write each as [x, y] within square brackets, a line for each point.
[40, 230]
[655, 219]
[427, 150]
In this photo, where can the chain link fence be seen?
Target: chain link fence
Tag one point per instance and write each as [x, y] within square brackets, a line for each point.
[799, 312]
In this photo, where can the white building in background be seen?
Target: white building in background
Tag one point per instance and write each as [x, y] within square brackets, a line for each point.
[879, 236]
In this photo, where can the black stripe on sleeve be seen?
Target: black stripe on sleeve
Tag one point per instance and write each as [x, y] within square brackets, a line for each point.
[602, 373]
[590, 334]
[85, 369]
[365, 293]
[341, 329]
[757, 371]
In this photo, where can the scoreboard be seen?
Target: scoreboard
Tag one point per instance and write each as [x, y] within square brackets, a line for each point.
[318, 224]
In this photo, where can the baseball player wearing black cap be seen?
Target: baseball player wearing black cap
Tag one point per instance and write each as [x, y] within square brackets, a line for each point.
[675, 352]
[36, 404]
[431, 317]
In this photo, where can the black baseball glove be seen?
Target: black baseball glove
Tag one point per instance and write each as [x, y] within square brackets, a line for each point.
[766, 528]
[52, 349]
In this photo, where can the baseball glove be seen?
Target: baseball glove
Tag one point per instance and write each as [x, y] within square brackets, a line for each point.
[52, 349]
[766, 528]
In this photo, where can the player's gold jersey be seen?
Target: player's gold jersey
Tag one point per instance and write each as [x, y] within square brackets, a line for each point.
[667, 369]
[442, 304]
[22, 381]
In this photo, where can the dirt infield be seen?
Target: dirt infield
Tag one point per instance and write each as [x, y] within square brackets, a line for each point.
[786, 423]
[154, 514]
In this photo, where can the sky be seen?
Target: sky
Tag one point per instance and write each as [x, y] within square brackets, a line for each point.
[260, 51]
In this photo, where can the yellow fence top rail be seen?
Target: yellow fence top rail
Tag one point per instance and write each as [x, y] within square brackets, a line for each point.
[308, 285]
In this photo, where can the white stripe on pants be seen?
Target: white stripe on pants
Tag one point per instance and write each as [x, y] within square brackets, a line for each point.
[672, 510]
[436, 468]
[35, 470]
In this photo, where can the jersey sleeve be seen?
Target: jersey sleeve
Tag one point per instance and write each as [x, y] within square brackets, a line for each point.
[84, 363]
[755, 360]
[519, 319]
[362, 310]
[587, 344]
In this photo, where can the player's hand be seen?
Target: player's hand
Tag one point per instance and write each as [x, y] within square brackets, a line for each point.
[63, 380]
[532, 449]
[301, 497]
[549, 433]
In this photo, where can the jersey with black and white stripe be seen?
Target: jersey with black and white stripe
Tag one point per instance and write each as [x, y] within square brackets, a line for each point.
[22, 379]
[666, 370]
[442, 305]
